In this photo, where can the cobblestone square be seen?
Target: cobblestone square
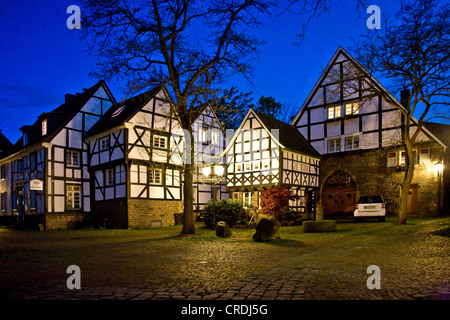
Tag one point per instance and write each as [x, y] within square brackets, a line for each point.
[157, 264]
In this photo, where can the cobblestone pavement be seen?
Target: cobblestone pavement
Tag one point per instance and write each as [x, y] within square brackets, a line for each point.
[411, 270]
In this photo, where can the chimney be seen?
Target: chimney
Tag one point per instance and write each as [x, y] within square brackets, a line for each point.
[404, 97]
[69, 97]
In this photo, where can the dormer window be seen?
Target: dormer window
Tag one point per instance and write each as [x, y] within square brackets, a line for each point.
[25, 138]
[44, 127]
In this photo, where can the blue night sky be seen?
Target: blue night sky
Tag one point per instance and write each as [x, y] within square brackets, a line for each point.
[41, 60]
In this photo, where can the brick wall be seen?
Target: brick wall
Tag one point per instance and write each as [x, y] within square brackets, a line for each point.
[372, 176]
[141, 212]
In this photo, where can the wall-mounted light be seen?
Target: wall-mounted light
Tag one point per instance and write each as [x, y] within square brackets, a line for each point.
[438, 167]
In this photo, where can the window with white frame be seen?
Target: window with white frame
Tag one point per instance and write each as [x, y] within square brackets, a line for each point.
[392, 159]
[73, 197]
[351, 108]
[160, 141]
[352, 143]
[238, 167]
[334, 112]
[104, 143]
[109, 177]
[215, 137]
[334, 145]
[154, 176]
[203, 135]
[72, 158]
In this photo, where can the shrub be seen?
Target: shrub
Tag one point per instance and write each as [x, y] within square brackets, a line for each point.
[229, 210]
[275, 202]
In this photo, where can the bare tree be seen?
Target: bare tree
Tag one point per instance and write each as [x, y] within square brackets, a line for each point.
[187, 46]
[413, 51]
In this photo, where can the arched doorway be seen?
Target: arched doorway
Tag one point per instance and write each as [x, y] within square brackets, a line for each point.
[338, 195]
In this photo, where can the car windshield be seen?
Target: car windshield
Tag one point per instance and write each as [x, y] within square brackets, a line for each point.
[370, 199]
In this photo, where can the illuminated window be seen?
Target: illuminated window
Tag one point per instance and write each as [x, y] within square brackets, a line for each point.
[334, 112]
[44, 127]
[239, 167]
[351, 108]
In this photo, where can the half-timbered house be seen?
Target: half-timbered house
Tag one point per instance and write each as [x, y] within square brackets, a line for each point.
[359, 134]
[47, 176]
[136, 161]
[265, 152]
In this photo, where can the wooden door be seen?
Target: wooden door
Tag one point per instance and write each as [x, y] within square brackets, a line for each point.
[412, 199]
[338, 201]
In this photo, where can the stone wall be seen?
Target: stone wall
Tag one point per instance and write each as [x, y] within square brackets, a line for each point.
[372, 176]
[142, 212]
[63, 221]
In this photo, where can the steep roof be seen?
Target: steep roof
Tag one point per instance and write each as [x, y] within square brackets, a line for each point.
[289, 137]
[57, 119]
[125, 110]
[5, 145]
[440, 131]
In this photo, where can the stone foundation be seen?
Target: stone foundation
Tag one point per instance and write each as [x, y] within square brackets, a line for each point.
[63, 221]
[144, 213]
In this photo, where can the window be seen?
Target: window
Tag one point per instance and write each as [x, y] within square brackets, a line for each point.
[104, 143]
[352, 143]
[424, 155]
[239, 167]
[248, 166]
[73, 196]
[215, 137]
[334, 112]
[266, 164]
[19, 166]
[33, 157]
[33, 196]
[256, 165]
[3, 201]
[109, 177]
[2, 172]
[334, 145]
[392, 159]
[403, 157]
[25, 138]
[44, 127]
[351, 108]
[203, 135]
[72, 158]
[160, 141]
[155, 176]
[247, 198]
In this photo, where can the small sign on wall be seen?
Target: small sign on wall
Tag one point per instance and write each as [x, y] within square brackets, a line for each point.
[37, 185]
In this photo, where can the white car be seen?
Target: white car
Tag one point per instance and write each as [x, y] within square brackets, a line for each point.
[370, 207]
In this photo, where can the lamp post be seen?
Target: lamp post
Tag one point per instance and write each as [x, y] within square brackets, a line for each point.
[439, 167]
[215, 174]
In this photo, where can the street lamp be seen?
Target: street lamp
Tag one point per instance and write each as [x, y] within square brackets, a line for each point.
[439, 168]
[215, 174]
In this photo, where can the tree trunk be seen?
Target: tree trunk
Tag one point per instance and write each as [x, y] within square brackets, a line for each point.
[188, 198]
[406, 185]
